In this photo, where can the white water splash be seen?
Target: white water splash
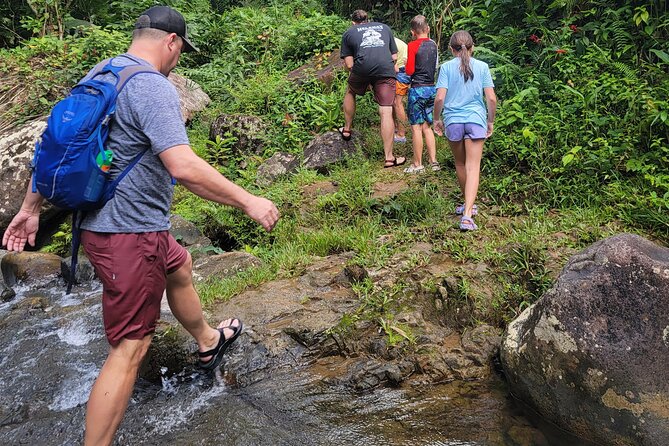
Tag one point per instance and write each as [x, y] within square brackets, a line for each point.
[74, 391]
[77, 333]
[168, 418]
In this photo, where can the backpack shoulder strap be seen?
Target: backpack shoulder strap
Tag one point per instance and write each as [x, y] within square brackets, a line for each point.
[123, 73]
[129, 71]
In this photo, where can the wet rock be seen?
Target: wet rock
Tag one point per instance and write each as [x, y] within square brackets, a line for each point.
[527, 436]
[368, 375]
[322, 67]
[277, 165]
[2, 254]
[458, 310]
[169, 354]
[192, 98]
[462, 366]
[29, 267]
[6, 293]
[84, 273]
[591, 354]
[318, 343]
[186, 233]
[14, 415]
[327, 149]
[249, 131]
[482, 343]
[378, 347]
[291, 318]
[223, 265]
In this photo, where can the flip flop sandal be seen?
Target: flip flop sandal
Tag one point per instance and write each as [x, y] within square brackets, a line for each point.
[435, 166]
[394, 163]
[345, 134]
[217, 352]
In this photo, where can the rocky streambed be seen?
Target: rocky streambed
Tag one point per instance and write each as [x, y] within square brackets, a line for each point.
[290, 379]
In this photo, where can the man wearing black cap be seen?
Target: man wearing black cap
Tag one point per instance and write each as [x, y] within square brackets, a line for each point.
[128, 241]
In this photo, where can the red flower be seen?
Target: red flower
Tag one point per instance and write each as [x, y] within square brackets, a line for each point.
[574, 28]
[534, 38]
[561, 51]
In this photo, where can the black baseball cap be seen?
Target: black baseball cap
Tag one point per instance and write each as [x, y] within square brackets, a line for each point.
[168, 20]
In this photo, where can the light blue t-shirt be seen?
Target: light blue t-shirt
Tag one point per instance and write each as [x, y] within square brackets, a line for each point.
[464, 103]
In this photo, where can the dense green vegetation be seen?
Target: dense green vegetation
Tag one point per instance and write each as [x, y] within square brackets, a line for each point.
[580, 150]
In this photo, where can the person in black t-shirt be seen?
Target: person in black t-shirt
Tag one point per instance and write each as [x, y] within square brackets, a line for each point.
[369, 53]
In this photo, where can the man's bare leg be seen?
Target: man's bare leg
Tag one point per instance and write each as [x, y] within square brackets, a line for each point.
[186, 307]
[349, 109]
[112, 390]
[387, 130]
[399, 116]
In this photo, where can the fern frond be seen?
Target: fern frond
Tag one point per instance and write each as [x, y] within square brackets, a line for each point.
[626, 71]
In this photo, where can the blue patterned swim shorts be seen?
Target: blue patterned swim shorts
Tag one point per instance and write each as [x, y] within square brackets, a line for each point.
[421, 104]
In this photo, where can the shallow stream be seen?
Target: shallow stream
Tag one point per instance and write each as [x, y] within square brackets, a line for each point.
[52, 346]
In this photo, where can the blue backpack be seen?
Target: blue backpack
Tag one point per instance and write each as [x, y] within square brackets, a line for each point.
[65, 166]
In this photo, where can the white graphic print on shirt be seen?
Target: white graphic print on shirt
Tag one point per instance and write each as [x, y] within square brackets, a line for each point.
[371, 39]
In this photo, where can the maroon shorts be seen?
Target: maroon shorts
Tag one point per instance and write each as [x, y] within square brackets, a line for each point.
[384, 88]
[133, 269]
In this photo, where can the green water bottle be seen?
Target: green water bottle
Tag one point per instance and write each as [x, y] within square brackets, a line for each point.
[105, 162]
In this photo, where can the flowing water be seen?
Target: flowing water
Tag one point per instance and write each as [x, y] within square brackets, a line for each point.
[52, 347]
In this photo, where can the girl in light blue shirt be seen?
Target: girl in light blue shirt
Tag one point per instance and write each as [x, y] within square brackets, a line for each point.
[463, 84]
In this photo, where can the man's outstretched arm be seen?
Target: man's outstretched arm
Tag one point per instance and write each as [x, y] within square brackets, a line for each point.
[203, 180]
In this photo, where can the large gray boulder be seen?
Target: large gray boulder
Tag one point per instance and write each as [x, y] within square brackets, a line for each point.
[323, 67]
[29, 267]
[249, 132]
[192, 98]
[591, 355]
[186, 233]
[16, 152]
[326, 149]
[277, 165]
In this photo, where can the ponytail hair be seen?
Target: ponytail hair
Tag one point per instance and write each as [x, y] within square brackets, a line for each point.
[461, 43]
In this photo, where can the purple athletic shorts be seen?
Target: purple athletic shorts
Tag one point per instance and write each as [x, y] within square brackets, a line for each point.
[458, 132]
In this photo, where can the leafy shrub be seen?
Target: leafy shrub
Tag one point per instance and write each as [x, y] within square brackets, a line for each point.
[41, 72]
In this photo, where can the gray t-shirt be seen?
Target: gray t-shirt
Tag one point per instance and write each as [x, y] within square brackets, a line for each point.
[372, 46]
[148, 116]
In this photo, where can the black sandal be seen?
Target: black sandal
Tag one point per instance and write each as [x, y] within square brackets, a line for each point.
[223, 343]
[345, 134]
[394, 162]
